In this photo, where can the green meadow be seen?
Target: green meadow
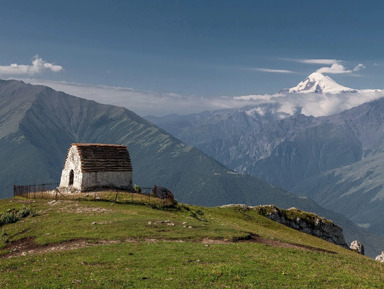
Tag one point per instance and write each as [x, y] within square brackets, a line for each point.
[103, 244]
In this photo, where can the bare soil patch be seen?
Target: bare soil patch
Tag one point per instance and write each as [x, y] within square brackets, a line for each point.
[27, 246]
[276, 243]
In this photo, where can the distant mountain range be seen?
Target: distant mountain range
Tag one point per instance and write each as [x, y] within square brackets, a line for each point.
[336, 160]
[38, 124]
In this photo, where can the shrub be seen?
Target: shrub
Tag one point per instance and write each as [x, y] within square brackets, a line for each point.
[12, 216]
[199, 212]
[4, 237]
[8, 218]
[193, 215]
[24, 212]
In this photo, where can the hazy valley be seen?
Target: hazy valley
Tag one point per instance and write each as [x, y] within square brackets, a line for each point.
[335, 159]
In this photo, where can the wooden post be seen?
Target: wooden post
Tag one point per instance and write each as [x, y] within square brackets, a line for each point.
[116, 196]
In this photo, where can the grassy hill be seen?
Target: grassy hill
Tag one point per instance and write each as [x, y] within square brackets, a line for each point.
[97, 244]
[38, 124]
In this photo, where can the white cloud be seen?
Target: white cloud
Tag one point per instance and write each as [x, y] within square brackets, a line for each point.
[335, 68]
[318, 61]
[38, 66]
[358, 67]
[272, 70]
[315, 104]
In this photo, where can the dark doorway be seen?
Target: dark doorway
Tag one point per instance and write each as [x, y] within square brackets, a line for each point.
[71, 177]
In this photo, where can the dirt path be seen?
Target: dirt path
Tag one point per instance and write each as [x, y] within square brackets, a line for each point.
[27, 246]
[280, 244]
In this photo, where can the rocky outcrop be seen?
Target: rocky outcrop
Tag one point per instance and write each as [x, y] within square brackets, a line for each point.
[357, 247]
[305, 222]
[380, 257]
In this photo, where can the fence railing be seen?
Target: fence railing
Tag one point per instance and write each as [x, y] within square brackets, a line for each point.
[32, 190]
[147, 195]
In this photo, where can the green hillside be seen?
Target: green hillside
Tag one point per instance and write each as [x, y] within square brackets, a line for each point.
[97, 244]
[38, 124]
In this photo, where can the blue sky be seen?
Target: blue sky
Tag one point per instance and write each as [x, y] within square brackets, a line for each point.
[199, 49]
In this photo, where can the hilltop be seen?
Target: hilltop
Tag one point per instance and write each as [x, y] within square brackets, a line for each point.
[96, 244]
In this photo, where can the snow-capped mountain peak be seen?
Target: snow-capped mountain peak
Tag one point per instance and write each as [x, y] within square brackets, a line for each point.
[320, 83]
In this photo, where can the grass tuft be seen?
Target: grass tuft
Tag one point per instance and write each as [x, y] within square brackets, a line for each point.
[12, 216]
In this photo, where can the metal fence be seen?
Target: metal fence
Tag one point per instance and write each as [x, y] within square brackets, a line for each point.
[32, 191]
[147, 195]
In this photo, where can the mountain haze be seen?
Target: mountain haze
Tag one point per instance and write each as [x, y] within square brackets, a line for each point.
[336, 160]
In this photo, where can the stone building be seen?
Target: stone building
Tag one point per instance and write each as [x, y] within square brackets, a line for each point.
[90, 166]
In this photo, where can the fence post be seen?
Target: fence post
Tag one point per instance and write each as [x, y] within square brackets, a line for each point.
[116, 196]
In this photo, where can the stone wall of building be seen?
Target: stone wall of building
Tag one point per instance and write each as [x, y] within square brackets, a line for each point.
[120, 180]
[72, 162]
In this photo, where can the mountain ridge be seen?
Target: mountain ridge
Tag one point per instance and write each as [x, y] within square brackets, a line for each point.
[302, 153]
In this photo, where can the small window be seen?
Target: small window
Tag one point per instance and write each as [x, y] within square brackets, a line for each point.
[71, 177]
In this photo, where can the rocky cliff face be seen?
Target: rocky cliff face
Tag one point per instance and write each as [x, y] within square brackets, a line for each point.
[302, 221]
[305, 222]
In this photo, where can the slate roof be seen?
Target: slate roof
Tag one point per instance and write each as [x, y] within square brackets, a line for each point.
[103, 157]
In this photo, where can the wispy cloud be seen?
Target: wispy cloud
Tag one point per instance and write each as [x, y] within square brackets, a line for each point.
[142, 102]
[38, 66]
[317, 61]
[337, 68]
[359, 67]
[315, 104]
[272, 70]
